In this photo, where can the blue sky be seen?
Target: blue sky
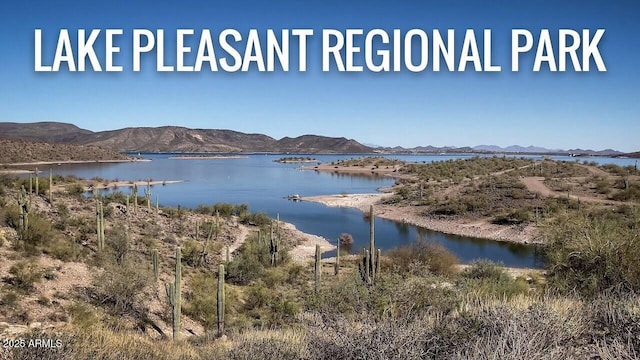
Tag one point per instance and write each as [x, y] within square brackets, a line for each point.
[557, 110]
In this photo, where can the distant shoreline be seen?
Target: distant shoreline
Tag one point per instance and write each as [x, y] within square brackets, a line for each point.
[207, 157]
[62, 162]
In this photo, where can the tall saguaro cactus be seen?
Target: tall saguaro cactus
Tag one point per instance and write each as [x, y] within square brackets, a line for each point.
[100, 225]
[337, 263]
[134, 193]
[155, 263]
[371, 257]
[147, 196]
[274, 243]
[37, 183]
[221, 299]
[25, 204]
[174, 297]
[372, 244]
[50, 185]
[318, 268]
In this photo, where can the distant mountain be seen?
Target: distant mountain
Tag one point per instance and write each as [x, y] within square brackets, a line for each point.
[515, 149]
[605, 152]
[48, 131]
[182, 139]
[178, 139]
[319, 144]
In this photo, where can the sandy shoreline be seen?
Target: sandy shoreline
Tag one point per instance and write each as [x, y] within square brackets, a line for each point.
[306, 248]
[477, 228]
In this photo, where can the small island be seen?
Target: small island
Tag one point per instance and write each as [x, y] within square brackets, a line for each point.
[293, 159]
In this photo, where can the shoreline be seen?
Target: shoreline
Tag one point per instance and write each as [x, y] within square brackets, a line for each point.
[128, 184]
[305, 250]
[477, 228]
[207, 157]
[65, 162]
[391, 172]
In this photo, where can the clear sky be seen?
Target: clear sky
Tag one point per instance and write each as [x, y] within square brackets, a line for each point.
[594, 110]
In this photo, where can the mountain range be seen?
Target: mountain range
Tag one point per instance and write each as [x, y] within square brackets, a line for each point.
[177, 139]
[182, 139]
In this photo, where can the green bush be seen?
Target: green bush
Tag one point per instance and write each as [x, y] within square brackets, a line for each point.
[24, 275]
[201, 301]
[250, 262]
[423, 256]
[486, 279]
[120, 285]
[118, 240]
[256, 219]
[594, 252]
[75, 189]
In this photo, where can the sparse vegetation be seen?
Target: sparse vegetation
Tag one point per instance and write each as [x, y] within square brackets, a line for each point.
[420, 306]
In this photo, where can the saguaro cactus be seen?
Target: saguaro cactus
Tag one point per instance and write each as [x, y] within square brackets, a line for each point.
[147, 196]
[100, 225]
[37, 183]
[50, 185]
[25, 204]
[337, 263]
[371, 258]
[318, 268]
[221, 299]
[174, 296]
[134, 193]
[275, 243]
[372, 244]
[155, 263]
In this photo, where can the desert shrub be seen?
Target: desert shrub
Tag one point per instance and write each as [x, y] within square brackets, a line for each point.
[75, 189]
[518, 216]
[262, 347]
[594, 252]
[485, 269]
[630, 193]
[117, 197]
[63, 249]
[201, 301]
[487, 279]
[269, 306]
[250, 262]
[120, 285]
[423, 256]
[257, 219]
[24, 275]
[119, 242]
[82, 315]
[39, 232]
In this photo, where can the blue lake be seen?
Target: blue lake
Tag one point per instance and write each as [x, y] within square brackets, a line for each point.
[264, 184]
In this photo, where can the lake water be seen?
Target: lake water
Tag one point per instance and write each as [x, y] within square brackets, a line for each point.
[264, 184]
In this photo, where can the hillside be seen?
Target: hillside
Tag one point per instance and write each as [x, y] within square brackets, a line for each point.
[51, 132]
[19, 151]
[178, 139]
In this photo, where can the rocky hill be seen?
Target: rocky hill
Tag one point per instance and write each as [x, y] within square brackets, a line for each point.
[51, 132]
[179, 139]
[24, 151]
